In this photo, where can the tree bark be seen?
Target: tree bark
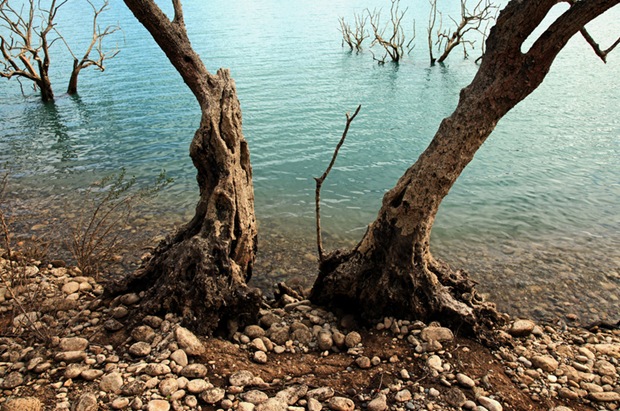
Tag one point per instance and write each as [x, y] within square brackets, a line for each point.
[392, 271]
[201, 271]
[73, 80]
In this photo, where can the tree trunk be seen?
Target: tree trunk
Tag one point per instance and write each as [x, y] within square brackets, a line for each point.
[201, 271]
[73, 80]
[391, 271]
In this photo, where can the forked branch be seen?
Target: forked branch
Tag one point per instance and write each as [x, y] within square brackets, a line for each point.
[595, 46]
[320, 180]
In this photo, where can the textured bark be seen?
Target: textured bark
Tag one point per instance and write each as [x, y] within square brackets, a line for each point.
[391, 271]
[200, 272]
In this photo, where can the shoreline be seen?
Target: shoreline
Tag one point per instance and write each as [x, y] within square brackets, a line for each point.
[72, 349]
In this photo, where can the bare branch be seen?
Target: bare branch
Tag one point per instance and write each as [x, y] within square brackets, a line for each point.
[471, 20]
[595, 46]
[178, 13]
[393, 45]
[320, 180]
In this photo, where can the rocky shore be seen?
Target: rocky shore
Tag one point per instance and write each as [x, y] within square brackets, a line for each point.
[61, 348]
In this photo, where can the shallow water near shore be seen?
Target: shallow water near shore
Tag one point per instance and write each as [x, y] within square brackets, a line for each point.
[535, 218]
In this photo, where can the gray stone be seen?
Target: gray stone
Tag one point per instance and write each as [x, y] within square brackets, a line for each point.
[73, 344]
[258, 344]
[112, 325]
[324, 340]
[71, 287]
[545, 363]
[465, 381]
[70, 356]
[143, 333]
[321, 393]
[130, 299]
[490, 404]
[14, 379]
[133, 388]
[522, 328]
[197, 385]
[314, 405]
[188, 341]
[140, 349]
[111, 383]
[213, 395]
[363, 362]
[607, 396]
[272, 404]
[292, 394]
[352, 339]
[260, 357]
[91, 375]
[254, 331]
[180, 357]
[379, 403]
[158, 405]
[403, 396]
[74, 370]
[155, 369]
[87, 402]
[241, 378]
[302, 335]
[604, 367]
[22, 404]
[254, 397]
[245, 406]
[435, 363]
[340, 404]
[455, 397]
[439, 334]
[168, 386]
[120, 403]
[278, 333]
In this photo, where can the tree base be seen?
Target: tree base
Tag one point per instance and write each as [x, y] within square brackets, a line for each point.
[427, 291]
[192, 279]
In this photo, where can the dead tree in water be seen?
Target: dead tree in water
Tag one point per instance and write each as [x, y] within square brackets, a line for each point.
[471, 21]
[354, 37]
[393, 43]
[96, 42]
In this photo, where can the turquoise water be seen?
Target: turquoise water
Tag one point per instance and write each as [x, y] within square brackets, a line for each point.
[539, 202]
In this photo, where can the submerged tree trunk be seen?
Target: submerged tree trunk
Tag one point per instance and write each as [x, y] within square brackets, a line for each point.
[73, 80]
[201, 271]
[391, 271]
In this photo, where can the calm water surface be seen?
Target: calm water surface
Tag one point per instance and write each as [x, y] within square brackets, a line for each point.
[535, 217]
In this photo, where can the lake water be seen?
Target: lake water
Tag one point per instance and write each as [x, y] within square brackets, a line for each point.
[535, 217]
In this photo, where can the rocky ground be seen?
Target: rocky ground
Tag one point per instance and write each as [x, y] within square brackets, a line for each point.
[61, 347]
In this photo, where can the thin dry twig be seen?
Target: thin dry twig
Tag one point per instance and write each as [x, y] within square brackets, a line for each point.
[320, 180]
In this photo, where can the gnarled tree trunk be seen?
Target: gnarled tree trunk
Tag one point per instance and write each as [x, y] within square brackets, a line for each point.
[201, 271]
[391, 271]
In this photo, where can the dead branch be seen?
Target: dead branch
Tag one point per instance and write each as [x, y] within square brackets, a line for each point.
[471, 21]
[431, 25]
[354, 37]
[25, 46]
[394, 44]
[595, 46]
[96, 42]
[320, 180]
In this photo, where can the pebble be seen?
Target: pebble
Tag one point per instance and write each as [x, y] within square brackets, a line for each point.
[341, 404]
[465, 381]
[490, 404]
[379, 403]
[158, 405]
[188, 341]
